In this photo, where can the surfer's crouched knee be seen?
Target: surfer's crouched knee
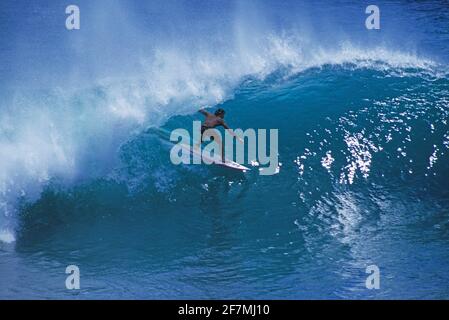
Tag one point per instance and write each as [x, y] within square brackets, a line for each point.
[203, 129]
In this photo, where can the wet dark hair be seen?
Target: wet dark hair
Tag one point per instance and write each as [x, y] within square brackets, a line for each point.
[219, 112]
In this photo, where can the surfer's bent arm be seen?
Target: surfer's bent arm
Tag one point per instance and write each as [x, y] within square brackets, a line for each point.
[204, 112]
[231, 132]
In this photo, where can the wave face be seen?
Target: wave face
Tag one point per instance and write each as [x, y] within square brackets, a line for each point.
[363, 144]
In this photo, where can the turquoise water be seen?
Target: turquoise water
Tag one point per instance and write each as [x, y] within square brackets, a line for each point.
[363, 147]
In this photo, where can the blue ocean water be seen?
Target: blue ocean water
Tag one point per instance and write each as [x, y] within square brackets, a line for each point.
[363, 144]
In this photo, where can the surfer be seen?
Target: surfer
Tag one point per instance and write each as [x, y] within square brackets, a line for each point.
[212, 121]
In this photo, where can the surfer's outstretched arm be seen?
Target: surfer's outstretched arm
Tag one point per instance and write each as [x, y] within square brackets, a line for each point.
[231, 132]
[204, 112]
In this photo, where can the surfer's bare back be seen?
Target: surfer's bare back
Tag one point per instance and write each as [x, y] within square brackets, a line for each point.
[213, 120]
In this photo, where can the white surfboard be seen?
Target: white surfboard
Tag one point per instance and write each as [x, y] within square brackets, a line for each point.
[216, 160]
[232, 165]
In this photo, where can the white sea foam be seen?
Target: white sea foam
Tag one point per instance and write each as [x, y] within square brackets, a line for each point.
[327, 161]
[6, 236]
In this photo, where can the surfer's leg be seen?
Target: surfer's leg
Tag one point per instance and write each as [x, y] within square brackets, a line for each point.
[222, 153]
[217, 139]
[197, 145]
[215, 136]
